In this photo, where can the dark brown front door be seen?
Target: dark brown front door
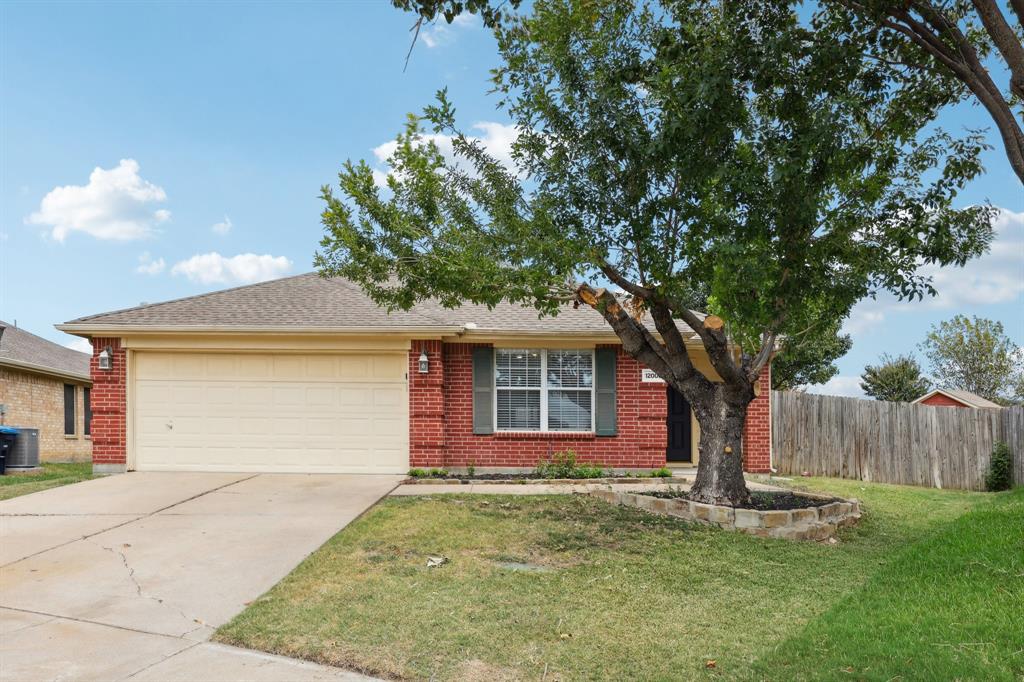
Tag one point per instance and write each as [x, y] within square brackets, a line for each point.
[679, 429]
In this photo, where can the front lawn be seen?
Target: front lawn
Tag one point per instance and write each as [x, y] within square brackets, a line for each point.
[928, 586]
[54, 474]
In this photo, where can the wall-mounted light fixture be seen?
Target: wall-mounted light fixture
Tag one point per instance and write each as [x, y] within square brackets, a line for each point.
[424, 363]
[106, 359]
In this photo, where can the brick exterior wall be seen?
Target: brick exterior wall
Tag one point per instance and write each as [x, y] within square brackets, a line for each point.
[939, 400]
[757, 431]
[37, 401]
[441, 420]
[109, 406]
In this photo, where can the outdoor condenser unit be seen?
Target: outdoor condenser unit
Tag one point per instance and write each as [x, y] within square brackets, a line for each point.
[25, 453]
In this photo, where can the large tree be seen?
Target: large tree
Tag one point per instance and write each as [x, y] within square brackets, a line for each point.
[810, 359]
[663, 150]
[896, 379]
[976, 355]
[932, 42]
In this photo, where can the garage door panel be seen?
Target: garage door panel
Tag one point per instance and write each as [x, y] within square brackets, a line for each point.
[298, 413]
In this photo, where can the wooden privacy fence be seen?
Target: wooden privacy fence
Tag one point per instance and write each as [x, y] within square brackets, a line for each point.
[874, 440]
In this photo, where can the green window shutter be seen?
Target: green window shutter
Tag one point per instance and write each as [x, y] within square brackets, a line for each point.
[604, 392]
[483, 391]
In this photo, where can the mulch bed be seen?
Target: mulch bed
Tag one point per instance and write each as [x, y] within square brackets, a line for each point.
[759, 500]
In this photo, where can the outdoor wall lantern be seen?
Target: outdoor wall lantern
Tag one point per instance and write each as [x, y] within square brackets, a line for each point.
[424, 363]
[106, 359]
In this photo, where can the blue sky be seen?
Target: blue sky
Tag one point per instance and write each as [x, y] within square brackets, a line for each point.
[214, 125]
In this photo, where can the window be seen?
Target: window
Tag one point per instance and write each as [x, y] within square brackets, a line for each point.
[537, 390]
[69, 409]
[87, 410]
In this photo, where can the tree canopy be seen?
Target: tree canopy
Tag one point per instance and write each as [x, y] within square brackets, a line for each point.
[896, 379]
[666, 153]
[976, 355]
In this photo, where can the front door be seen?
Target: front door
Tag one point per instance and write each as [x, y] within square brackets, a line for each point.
[679, 428]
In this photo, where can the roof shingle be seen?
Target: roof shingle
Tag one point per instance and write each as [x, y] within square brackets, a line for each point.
[22, 347]
[309, 300]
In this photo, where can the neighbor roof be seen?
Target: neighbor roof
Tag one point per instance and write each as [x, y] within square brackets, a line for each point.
[965, 397]
[310, 301]
[22, 350]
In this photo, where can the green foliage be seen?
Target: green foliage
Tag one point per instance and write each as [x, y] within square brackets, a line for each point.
[896, 379]
[564, 465]
[437, 473]
[663, 472]
[417, 473]
[976, 355]
[709, 146]
[429, 10]
[809, 359]
[470, 469]
[1000, 469]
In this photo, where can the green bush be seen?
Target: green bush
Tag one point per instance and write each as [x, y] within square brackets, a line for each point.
[438, 473]
[1000, 468]
[417, 473]
[563, 465]
[663, 472]
[470, 469]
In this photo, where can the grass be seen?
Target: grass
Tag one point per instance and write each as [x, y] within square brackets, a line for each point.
[928, 586]
[54, 474]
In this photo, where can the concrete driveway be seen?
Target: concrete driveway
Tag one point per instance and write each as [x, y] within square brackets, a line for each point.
[128, 576]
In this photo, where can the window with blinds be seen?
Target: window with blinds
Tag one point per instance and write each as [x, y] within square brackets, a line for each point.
[537, 390]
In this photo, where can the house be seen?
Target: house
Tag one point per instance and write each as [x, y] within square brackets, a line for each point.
[305, 374]
[948, 397]
[45, 386]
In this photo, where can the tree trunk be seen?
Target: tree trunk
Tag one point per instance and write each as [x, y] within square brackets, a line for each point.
[720, 469]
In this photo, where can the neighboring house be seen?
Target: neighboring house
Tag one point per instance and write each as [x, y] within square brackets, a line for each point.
[948, 397]
[306, 374]
[45, 386]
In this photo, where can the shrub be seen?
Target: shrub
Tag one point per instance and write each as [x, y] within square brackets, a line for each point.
[1000, 468]
[563, 465]
[470, 469]
[438, 473]
[663, 472]
[417, 473]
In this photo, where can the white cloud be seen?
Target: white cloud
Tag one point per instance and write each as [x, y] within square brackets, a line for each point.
[862, 318]
[839, 385]
[115, 204]
[148, 266]
[497, 139]
[81, 345]
[441, 33]
[996, 277]
[245, 268]
[223, 227]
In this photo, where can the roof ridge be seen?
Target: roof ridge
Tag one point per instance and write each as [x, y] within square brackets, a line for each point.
[147, 306]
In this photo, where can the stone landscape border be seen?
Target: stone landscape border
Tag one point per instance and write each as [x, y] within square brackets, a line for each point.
[810, 523]
[675, 480]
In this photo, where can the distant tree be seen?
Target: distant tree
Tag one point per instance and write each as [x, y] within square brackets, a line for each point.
[976, 355]
[810, 358]
[896, 379]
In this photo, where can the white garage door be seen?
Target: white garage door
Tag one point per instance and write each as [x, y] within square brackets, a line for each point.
[270, 412]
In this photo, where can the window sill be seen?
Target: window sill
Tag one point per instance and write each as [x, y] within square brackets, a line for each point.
[70, 436]
[544, 435]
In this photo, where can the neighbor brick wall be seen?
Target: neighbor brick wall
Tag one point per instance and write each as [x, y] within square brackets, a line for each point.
[37, 401]
[757, 431]
[939, 400]
[109, 408]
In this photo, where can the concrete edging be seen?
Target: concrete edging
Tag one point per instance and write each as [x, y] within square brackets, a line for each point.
[547, 481]
[810, 523]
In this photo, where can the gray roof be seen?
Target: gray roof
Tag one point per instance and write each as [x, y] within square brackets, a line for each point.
[966, 397]
[19, 348]
[311, 301]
